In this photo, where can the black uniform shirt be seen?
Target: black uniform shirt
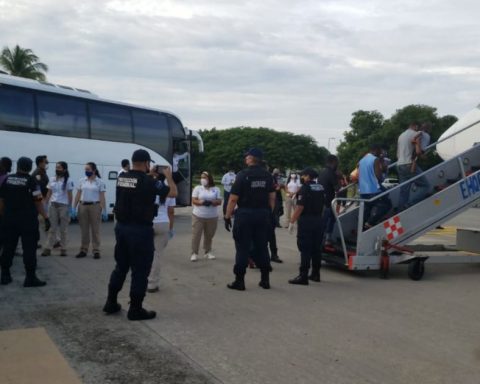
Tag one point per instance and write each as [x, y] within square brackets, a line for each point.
[19, 193]
[252, 186]
[328, 178]
[312, 197]
[42, 179]
[278, 193]
[135, 197]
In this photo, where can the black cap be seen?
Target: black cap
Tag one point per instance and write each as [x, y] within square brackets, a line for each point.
[24, 164]
[310, 172]
[141, 155]
[255, 152]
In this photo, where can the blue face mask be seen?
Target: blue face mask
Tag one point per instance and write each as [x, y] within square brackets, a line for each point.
[88, 173]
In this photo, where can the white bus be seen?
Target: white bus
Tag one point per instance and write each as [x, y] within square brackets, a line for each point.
[76, 126]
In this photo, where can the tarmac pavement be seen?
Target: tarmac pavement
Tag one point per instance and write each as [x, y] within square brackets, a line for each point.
[350, 328]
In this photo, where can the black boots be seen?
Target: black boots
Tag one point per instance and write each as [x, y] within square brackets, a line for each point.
[301, 279]
[111, 306]
[5, 278]
[238, 283]
[315, 274]
[275, 258]
[265, 279]
[31, 280]
[137, 312]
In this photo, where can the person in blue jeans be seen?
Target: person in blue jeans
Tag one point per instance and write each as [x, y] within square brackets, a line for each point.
[409, 148]
[370, 170]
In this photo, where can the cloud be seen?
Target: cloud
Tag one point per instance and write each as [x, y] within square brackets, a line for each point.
[300, 66]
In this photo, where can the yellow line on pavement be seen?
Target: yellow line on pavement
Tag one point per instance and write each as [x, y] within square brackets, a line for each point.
[30, 356]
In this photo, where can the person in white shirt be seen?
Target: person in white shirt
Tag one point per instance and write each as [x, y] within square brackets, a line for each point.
[125, 166]
[408, 149]
[177, 157]
[163, 231]
[205, 199]
[227, 181]
[90, 200]
[59, 196]
[426, 130]
[291, 189]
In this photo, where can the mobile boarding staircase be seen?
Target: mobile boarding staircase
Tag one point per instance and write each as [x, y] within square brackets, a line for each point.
[455, 187]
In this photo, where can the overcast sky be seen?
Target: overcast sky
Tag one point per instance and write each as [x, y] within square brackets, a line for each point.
[291, 65]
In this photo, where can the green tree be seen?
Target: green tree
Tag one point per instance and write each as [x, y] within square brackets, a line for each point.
[366, 128]
[23, 62]
[369, 127]
[224, 149]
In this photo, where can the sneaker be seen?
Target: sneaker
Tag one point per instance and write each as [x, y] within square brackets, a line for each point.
[81, 254]
[153, 289]
[46, 252]
[194, 257]
[210, 256]
[63, 252]
[57, 244]
[96, 255]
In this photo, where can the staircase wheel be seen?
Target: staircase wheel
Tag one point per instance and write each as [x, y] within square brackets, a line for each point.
[416, 269]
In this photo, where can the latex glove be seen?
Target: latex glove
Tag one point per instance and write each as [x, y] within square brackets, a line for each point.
[104, 216]
[171, 233]
[73, 213]
[291, 228]
[47, 224]
[228, 224]
[207, 203]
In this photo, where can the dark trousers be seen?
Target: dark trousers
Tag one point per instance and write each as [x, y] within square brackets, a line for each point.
[278, 212]
[226, 196]
[23, 228]
[272, 238]
[309, 242]
[1, 235]
[373, 212]
[251, 229]
[133, 250]
[328, 219]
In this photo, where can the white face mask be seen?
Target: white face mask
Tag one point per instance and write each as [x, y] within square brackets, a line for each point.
[204, 182]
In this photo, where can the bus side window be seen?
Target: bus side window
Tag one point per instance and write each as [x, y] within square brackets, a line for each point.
[63, 116]
[151, 130]
[110, 122]
[16, 110]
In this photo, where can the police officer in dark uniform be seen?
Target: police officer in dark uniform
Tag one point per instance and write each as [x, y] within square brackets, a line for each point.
[308, 212]
[40, 173]
[134, 211]
[20, 204]
[254, 194]
[5, 169]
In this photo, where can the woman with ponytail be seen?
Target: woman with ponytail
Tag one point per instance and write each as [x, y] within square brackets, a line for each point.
[59, 196]
[91, 208]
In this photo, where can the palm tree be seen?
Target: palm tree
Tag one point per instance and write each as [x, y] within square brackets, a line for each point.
[23, 62]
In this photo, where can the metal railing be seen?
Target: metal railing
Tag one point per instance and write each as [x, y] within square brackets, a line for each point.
[362, 202]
